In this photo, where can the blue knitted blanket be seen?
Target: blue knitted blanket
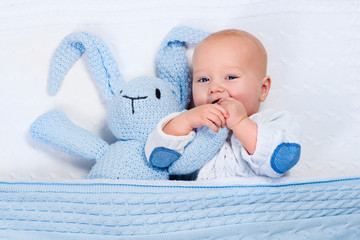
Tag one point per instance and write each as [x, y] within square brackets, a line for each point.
[180, 210]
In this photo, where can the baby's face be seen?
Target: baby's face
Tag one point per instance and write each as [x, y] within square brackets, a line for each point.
[227, 67]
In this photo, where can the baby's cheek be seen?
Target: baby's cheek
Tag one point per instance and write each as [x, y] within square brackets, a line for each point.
[254, 108]
[197, 102]
[250, 103]
[200, 99]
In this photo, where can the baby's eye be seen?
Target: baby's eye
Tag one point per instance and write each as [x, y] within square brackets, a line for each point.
[204, 80]
[230, 77]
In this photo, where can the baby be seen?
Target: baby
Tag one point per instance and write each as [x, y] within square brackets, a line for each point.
[229, 83]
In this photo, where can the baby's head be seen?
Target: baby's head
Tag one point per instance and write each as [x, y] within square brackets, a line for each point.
[230, 63]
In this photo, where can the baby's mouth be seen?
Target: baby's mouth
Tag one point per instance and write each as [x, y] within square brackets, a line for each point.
[216, 101]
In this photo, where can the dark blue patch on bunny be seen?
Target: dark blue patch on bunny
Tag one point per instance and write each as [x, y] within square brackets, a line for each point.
[163, 157]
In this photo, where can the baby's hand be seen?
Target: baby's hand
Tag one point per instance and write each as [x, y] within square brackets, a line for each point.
[211, 115]
[235, 109]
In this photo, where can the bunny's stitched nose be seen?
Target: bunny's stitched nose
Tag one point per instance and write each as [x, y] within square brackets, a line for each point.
[132, 101]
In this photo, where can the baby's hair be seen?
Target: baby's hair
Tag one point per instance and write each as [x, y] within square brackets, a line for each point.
[243, 35]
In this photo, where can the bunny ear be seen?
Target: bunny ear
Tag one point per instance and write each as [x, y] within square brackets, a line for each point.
[103, 66]
[172, 61]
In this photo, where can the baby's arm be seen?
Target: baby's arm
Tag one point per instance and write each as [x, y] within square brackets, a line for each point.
[167, 142]
[161, 149]
[268, 141]
[212, 116]
[277, 146]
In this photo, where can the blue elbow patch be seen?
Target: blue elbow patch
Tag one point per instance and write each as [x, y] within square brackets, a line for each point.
[285, 156]
[163, 157]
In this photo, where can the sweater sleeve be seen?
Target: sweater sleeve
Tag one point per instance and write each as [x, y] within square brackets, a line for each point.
[158, 140]
[277, 148]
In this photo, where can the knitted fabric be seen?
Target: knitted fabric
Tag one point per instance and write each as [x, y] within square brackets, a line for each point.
[103, 66]
[51, 128]
[145, 210]
[206, 143]
[135, 107]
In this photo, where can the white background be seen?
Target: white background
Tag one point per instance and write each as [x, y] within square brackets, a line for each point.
[313, 48]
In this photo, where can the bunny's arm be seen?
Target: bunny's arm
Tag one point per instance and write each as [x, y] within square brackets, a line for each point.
[55, 129]
[197, 153]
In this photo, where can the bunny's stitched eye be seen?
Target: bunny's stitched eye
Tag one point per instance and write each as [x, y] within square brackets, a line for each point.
[157, 93]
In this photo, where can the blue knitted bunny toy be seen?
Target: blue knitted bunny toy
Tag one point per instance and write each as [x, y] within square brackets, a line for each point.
[135, 107]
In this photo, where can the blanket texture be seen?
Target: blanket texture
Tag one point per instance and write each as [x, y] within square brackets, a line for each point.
[143, 210]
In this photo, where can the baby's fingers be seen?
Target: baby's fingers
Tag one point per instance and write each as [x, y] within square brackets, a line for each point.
[215, 120]
[217, 116]
[218, 119]
[210, 124]
[222, 110]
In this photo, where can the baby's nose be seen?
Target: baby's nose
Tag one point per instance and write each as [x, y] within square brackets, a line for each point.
[215, 87]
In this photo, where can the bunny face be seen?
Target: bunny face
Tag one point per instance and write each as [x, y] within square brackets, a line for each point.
[135, 106]
[142, 102]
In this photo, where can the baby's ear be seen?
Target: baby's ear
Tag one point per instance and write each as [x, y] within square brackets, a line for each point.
[265, 88]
